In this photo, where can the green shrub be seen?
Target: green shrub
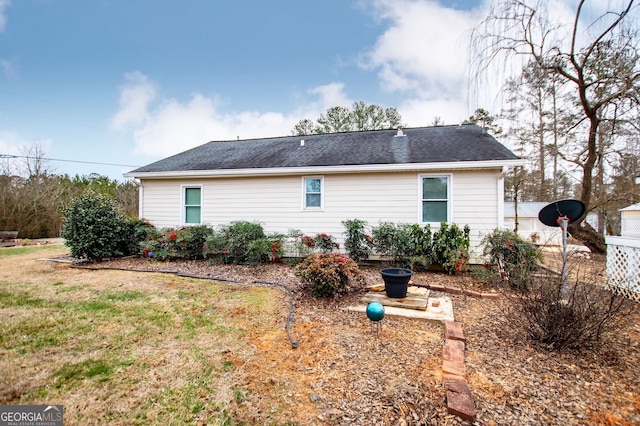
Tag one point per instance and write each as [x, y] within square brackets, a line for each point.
[322, 243]
[265, 250]
[419, 240]
[450, 247]
[410, 245]
[176, 243]
[191, 240]
[94, 229]
[393, 242]
[230, 243]
[140, 231]
[384, 239]
[420, 256]
[511, 258]
[325, 243]
[327, 273]
[297, 243]
[160, 245]
[358, 244]
[243, 242]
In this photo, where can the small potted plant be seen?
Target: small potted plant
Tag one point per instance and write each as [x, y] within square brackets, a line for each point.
[396, 281]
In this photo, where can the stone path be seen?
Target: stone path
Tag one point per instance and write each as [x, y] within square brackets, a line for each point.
[437, 308]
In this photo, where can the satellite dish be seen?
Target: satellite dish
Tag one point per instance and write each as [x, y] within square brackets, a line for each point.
[570, 209]
[562, 213]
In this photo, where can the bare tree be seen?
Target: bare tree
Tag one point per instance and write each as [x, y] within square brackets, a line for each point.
[535, 117]
[602, 70]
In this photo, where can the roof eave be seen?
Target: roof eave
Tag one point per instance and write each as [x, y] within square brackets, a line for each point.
[281, 171]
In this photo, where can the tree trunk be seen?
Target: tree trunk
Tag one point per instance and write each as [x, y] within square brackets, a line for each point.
[589, 237]
[580, 229]
[542, 190]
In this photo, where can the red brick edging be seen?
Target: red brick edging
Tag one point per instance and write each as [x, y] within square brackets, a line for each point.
[459, 399]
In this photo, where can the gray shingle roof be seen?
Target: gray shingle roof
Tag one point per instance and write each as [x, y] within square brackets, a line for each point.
[420, 145]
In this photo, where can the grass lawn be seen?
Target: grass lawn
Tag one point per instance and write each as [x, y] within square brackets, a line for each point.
[117, 347]
[130, 348]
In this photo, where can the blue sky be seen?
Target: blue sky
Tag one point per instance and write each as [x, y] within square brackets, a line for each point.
[132, 81]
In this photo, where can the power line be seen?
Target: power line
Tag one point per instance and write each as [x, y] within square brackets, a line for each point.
[65, 161]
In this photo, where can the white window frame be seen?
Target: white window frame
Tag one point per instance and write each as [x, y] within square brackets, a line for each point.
[449, 198]
[304, 194]
[183, 204]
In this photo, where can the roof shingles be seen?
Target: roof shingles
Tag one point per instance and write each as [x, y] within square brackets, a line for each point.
[420, 145]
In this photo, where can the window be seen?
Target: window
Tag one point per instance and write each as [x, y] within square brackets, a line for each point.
[312, 193]
[435, 199]
[192, 199]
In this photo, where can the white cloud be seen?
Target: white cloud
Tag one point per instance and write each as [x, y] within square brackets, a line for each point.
[422, 112]
[425, 46]
[331, 95]
[3, 19]
[135, 96]
[167, 126]
[172, 126]
[423, 55]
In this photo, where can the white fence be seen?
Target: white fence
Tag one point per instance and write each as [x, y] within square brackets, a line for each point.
[623, 266]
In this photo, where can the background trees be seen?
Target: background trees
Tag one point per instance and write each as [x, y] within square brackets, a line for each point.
[32, 197]
[341, 119]
[575, 100]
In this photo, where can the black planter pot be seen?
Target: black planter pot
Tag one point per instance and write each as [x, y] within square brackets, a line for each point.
[396, 281]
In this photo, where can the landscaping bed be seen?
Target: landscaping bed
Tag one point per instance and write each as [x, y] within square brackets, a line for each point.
[244, 369]
[352, 378]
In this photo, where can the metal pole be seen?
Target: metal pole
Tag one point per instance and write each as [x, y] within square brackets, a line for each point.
[563, 286]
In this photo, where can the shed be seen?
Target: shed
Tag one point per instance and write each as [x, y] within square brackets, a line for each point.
[630, 221]
[529, 226]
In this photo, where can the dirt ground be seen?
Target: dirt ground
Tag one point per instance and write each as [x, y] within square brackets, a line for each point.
[342, 372]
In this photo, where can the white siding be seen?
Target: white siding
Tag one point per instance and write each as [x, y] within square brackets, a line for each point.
[276, 202]
[476, 202]
[630, 226]
[161, 200]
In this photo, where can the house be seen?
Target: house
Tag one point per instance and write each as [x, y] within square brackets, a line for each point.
[313, 183]
[630, 221]
[529, 226]
[623, 253]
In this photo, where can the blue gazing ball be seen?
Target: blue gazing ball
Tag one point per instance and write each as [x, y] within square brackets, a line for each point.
[375, 311]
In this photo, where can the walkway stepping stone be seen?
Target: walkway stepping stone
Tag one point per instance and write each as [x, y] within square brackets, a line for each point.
[409, 302]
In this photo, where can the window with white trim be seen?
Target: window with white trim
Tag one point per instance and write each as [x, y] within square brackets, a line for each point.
[312, 188]
[435, 199]
[192, 205]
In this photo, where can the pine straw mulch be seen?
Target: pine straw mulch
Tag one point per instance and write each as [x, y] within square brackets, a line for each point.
[341, 373]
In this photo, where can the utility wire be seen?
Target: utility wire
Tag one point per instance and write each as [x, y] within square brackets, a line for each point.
[66, 161]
